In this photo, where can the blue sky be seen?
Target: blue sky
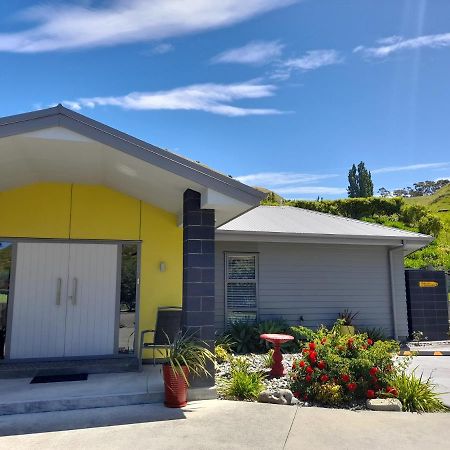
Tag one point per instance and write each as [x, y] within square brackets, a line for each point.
[283, 94]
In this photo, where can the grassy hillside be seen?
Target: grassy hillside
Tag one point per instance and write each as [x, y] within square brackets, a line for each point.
[438, 204]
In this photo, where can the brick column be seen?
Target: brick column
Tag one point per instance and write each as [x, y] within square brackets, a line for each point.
[198, 273]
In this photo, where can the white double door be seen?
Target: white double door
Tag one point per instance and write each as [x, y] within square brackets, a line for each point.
[64, 300]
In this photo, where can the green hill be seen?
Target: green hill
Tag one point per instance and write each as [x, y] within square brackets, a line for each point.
[438, 204]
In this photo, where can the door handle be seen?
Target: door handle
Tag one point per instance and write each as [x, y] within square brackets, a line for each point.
[74, 291]
[58, 291]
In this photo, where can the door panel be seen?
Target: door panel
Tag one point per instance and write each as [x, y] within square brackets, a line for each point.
[40, 293]
[91, 302]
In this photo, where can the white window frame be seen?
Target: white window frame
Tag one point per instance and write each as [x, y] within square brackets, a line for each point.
[243, 280]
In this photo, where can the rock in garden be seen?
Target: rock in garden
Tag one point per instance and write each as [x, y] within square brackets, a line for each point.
[384, 404]
[279, 397]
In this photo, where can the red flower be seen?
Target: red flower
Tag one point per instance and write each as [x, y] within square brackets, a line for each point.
[296, 394]
[373, 371]
[312, 346]
[308, 378]
[392, 391]
[305, 351]
[345, 378]
[369, 341]
[293, 365]
[352, 387]
[302, 364]
[350, 342]
[374, 380]
[323, 341]
[309, 369]
[313, 356]
[370, 393]
[305, 397]
[321, 365]
[364, 347]
[324, 378]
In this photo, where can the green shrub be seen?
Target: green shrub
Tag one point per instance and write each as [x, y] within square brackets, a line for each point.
[244, 336]
[302, 333]
[411, 214]
[221, 353]
[242, 384]
[430, 224]
[416, 393]
[375, 333]
[335, 368]
[268, 359]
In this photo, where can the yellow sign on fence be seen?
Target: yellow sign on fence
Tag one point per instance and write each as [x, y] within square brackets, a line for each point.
[429, 284]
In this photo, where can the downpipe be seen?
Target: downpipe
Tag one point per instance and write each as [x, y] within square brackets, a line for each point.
[392, 288]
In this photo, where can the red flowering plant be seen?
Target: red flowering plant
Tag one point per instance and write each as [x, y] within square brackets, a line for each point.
[336, 369]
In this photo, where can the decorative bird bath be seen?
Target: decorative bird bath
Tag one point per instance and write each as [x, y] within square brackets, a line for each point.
[277, 339]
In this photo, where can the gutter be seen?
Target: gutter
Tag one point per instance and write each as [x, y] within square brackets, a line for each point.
[392, 288]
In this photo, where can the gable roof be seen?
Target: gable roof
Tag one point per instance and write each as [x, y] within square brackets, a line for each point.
[287, 223]
[60, 145]
[59, 116]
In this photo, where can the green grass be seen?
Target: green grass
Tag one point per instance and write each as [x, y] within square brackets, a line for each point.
[437, 204]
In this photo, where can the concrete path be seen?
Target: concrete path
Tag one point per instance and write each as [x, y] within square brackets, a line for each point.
[216, 424]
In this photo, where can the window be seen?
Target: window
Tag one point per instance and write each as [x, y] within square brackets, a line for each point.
[128, 287]
[241, 287]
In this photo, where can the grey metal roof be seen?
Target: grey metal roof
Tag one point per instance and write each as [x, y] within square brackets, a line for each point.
[186, 168]
[288, 220]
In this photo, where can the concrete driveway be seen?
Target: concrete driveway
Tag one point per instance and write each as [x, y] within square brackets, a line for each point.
[438, 367]
[217, 424]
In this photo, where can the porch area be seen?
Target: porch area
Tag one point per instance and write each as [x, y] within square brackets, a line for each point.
[100, 390]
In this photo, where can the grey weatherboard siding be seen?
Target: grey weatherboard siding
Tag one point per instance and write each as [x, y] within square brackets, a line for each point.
[318, 281]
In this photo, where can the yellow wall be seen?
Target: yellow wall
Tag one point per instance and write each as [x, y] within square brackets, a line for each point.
[65, 211]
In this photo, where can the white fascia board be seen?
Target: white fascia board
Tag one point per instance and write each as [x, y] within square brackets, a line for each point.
[415, 243]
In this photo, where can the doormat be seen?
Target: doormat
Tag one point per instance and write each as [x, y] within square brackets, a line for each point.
[59, 378]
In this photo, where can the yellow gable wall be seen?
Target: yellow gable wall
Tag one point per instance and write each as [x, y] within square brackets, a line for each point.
[65, 211]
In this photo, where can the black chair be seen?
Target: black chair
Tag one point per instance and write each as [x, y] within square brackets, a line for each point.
[168, 324]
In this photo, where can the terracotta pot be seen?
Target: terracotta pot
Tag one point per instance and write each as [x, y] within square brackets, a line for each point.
[175, 387]
[347, 330]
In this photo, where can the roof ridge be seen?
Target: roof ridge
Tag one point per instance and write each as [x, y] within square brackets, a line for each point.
[349, 219]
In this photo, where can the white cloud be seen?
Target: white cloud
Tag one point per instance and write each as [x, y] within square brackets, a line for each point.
[411, 167]
[209, 97]
[394, 44]
[62, 27]
[161, 49]
[256, 52]
[274, 179]
[311, 60]
[313, 190]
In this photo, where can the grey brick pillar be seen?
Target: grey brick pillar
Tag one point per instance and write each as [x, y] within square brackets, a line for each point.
[198, 273]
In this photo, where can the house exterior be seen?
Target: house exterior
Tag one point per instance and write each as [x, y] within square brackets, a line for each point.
[81, 202]
[99, 229]
[306, 267]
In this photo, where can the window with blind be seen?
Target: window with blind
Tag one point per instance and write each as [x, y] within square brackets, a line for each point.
[241, 288]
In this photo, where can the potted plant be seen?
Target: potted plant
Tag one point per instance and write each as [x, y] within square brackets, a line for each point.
[186, 356]
[346, 318]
